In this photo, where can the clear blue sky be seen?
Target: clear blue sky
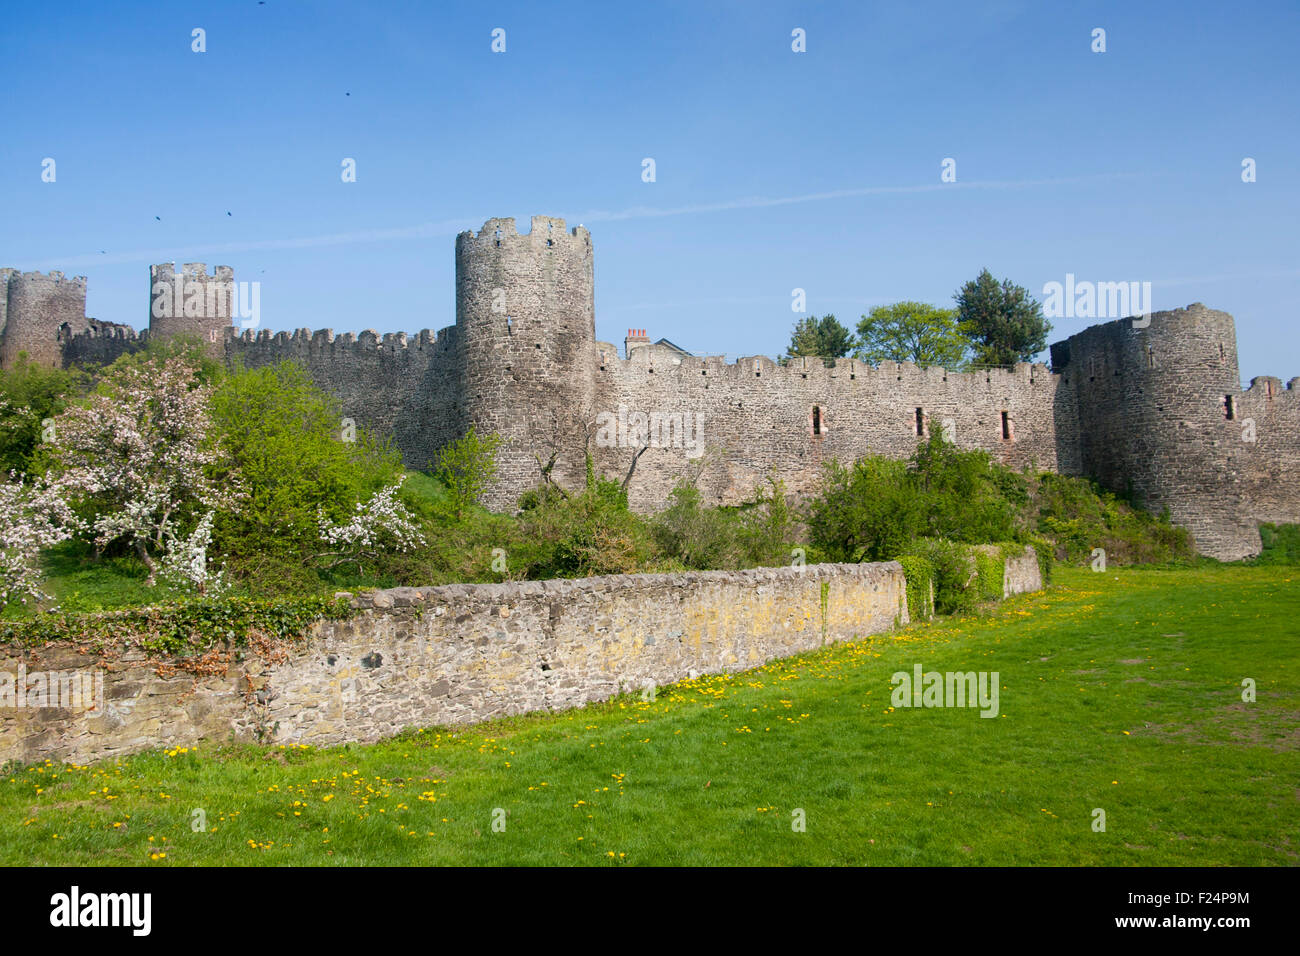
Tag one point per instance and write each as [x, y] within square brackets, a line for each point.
[775, 170]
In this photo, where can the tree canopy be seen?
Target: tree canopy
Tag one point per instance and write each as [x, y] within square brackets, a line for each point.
[1004, 323]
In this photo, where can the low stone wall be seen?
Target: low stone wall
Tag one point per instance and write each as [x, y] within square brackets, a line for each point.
[457, 654]
[1023, 575]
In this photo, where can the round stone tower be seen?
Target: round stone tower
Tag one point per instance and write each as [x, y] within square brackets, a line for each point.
[192, 303]
[1156, 401]
[41, 310]
[525, 314]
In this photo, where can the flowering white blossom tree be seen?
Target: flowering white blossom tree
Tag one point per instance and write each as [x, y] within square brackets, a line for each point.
[138, 455]
[381, 522]
[32, 517]
[186, 563]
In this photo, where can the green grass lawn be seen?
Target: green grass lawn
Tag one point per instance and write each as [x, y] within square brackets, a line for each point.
[1120, 691]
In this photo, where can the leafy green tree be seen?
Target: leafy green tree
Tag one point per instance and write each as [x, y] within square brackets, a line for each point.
[865, 512]
[31, 396]
[1004, 324]
[823, 338]
[912, 332]
[965, 496]
[466, 467]
[296, 458]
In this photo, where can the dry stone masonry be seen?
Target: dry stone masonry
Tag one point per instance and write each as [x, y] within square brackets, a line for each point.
[456, 654]
[1150, 407]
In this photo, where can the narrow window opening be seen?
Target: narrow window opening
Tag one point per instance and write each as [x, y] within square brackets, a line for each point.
[1006, 427]
[1151, 357]
[510, 330]
[920, 422]
[1228, 410]
[817, 420]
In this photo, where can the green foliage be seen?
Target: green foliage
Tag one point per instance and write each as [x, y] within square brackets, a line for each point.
[182, 629]
[990, 570]
[1079, 516]
[955, 571]
[866, 512]
[875, 509]
[29, 395]
[919, 574]
[191, 349]
[1003, 322]
[580, 535]
[758, 533]
[282, 436]
[1281, 544]
[822, 338]
[912, 332]
[965, 496]
[466, 467]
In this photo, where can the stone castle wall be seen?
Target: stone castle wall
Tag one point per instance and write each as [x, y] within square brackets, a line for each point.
[1143, 407]
[1160, 418]
[526, 315]
[755, 418]
[461, 653]
[191, 302]
[457, 654]
[405, 388]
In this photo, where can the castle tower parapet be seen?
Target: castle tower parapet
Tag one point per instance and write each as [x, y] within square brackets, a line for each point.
[191, 302]
[40, 308]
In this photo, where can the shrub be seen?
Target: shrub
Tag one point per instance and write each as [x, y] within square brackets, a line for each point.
[466, 467]
[919, 574]
[282, 435]
[955, 574]
[866, 512]
[1078, 516]
[1281, 544]
[30, 396]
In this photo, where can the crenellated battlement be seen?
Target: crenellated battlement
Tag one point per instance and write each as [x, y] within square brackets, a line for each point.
[544, 231]
[327, 339]
[1269, 387]
[164, 271]
[47, 278]
[659, 360]
[1150, 406]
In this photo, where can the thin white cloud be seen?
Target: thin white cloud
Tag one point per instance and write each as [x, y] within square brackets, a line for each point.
[446, 227]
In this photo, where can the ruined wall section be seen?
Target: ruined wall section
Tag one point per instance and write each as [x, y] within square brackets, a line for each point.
[1151, 399]
[407, 388]
[525, 309]
[40, 307]
[756, 417]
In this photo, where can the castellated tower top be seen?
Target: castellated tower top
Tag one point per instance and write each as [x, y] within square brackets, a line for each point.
[191, 302]
[38, 309]
[546, 231]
